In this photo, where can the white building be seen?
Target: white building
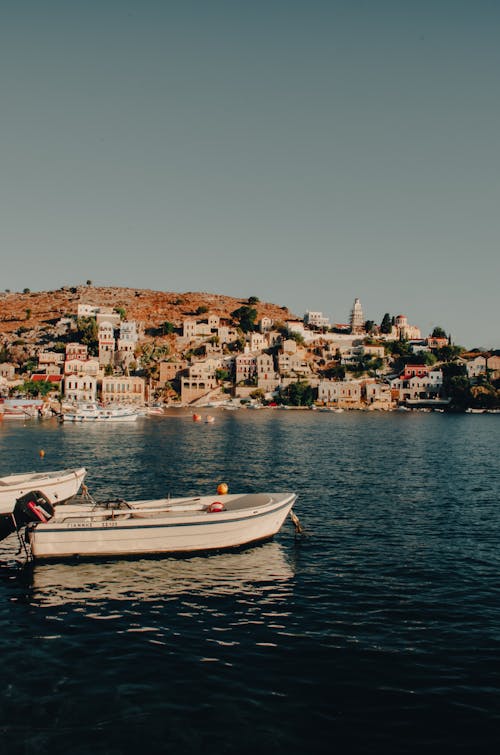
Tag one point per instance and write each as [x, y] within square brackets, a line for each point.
[80, 388]
[377, 394]
[199, 381]
[297, 326]
[418, 387]
[246, 367]
[342, 393]
[189, 329]
[87, 310]
[76, 350]
[357, 319]
[290, 364]
[256, 341]
[316, 320]
[106, 335]
[123, 390]
[267, 379]
[403, 330]
[50, 359]
[82, 367]
[126, 343]
[475, 367]
[265, 324]
[106, 314]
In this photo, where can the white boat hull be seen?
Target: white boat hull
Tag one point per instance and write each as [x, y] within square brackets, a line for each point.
[101, 416]
[58, 486]
[165, 526]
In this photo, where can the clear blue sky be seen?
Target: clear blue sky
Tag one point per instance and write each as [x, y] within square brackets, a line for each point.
[303, 152]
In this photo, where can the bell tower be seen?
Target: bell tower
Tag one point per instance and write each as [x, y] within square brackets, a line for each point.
[357, 318]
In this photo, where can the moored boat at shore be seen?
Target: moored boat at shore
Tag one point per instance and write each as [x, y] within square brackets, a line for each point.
[165, 526]
[92, 412]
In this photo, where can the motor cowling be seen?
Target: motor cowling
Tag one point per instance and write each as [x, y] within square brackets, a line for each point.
[33, 507]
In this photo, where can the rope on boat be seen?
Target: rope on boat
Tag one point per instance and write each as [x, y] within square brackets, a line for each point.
[296, 523]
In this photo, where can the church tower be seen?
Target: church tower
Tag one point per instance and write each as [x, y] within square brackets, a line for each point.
[357, 318]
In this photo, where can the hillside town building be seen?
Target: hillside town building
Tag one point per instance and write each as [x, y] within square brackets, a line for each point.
[357, 320]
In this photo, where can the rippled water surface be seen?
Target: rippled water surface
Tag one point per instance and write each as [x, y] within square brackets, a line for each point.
[377, 631]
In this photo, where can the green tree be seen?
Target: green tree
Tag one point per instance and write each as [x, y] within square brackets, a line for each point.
[221, 374]
[297, 337]
[298, 394]
[335, 373]
[369, 326]
[245, 317]
[122, 312]
[88, 333]
[386, 324]
[26, 291]
[167, 328]
[252, 300]
[459, 391]
[34, 388]
[28, 313]
[448, 353]
[438, 333]
[428, 358]
[456, 385]
[31, 364]
[202, 309]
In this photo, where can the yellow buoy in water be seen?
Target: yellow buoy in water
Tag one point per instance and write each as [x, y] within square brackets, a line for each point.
[222, 488]
[42, 453]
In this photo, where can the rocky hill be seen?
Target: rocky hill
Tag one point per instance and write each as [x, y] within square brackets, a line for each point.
[37, 311]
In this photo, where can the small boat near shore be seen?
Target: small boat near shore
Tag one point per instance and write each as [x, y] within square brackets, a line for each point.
[57, 486]
[165, 526]
[94, 413]
[22, 408]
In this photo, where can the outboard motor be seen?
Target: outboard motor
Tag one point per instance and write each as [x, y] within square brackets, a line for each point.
[32, 507]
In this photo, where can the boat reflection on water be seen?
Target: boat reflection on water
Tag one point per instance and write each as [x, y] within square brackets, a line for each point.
[258, 570]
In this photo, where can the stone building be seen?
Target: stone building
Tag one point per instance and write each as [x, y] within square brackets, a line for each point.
[123, 389]
[80, 388]
[357, 319]
[341, 393]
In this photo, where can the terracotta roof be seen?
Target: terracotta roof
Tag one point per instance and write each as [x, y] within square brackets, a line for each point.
[49, 378]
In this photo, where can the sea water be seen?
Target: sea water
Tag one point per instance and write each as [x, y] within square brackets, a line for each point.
[377, 630]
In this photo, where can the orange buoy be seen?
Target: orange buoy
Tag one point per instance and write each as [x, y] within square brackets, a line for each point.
[222, 488]
[196, 417]
[42, 453]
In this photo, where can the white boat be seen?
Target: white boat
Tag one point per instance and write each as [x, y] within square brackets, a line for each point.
[21, 408]
[95, 413]
[57, 486]
[165, 526]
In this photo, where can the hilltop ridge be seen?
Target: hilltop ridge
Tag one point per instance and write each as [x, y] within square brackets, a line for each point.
[36, 310]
